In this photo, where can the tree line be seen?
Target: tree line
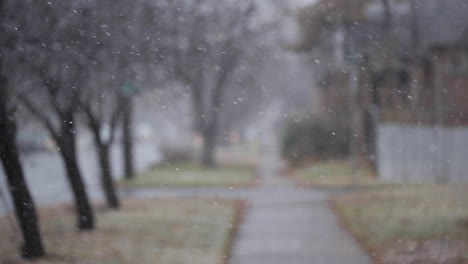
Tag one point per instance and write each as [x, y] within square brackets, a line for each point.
[76, 63]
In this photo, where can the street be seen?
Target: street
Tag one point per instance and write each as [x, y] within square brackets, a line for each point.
[47, 179]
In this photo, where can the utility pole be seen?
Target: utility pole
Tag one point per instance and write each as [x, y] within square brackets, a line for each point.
[127, 138]
[128, 91]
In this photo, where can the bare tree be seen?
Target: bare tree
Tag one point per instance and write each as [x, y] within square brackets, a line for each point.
[102, 109]
[23, 202]
[51, 55]
[209, 40]
[138, 54]
[101, 100]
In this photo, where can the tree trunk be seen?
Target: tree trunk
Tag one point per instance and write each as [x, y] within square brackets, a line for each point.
[387, 15]
[22, 200]
[83, 208]
[209, 142]
[103, 151]
[127, 141]
[353, 116]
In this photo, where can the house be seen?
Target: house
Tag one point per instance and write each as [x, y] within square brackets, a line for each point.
[405, 63]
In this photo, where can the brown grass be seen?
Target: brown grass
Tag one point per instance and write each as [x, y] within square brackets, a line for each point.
[193, 175]
[333, 174]
[157, 231]
[407, 224]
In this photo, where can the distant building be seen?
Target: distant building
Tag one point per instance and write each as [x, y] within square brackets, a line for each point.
[408, 62]
[411, 69]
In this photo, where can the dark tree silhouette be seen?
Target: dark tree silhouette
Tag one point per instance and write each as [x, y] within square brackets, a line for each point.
[22, 200]
[52, 89]
[102, 109]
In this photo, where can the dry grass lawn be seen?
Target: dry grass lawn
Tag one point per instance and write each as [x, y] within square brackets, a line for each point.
[193, 175]
[409, 224]
[159, 231]
[334, 173]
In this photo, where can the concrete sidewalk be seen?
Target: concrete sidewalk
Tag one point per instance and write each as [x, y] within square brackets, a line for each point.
[284, 223]
[289, 224]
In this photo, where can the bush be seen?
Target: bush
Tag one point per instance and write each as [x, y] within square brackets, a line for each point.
[313, 138]
[178, 153]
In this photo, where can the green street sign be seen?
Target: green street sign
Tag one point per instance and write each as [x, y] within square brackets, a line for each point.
[128, 89]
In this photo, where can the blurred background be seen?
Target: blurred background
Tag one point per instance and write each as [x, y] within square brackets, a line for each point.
[221, 131]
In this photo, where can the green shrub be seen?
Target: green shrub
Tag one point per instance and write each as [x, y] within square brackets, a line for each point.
[313, 138]
[178, 153]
